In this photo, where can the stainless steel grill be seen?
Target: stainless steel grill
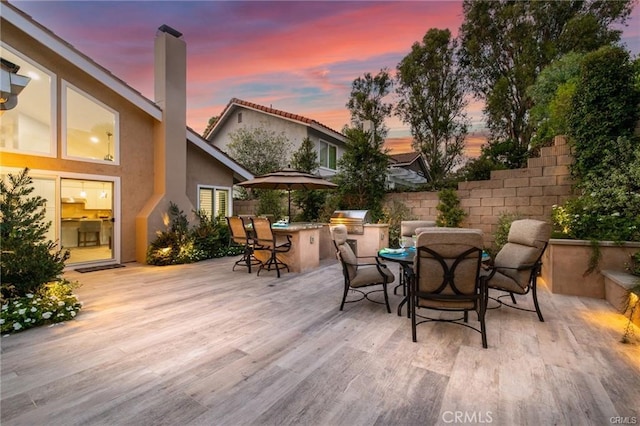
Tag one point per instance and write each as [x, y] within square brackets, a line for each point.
[354, 220]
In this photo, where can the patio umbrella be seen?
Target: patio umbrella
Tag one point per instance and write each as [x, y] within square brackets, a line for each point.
[288, 179]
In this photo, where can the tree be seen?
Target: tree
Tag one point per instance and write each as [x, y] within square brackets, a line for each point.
[432, 101]
[604, 110]
[449, 212]
[366, 101]
[552, 95]
[29, 260]
[310, 202]
[505, 44]
[259, 149]
[363, 167]
[362, 173]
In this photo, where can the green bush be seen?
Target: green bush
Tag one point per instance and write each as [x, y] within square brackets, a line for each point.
[394, 215]
[634, 264]
[180, 244]
[28, 260]
[501, 235]
[450, 214]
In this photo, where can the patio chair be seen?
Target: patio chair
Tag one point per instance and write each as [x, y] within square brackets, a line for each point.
[517, 265]
[409, 228]
[240, 236]
[265, 240]
[447, 277]
[359, 275]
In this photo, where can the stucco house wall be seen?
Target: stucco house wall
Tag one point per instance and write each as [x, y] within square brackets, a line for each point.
[143, 172]
[295, 127]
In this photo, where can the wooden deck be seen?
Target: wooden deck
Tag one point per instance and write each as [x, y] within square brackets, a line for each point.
[201, 345]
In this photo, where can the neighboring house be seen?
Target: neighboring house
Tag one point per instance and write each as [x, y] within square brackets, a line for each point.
[241, 114]
[406, 170]
[108, 160]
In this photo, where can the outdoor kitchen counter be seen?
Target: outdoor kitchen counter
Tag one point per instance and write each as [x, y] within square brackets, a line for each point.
[304, 254]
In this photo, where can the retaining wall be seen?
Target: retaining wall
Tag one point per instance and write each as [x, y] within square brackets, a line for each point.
[531, 192]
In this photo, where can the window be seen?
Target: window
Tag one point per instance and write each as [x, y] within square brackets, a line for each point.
[328, 155]
[90, 128]
[29, 127]
[239, 117]
[214, 202]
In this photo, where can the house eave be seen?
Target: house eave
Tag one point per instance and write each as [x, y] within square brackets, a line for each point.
[239, 172]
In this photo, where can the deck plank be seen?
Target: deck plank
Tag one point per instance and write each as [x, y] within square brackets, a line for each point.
[200, 344]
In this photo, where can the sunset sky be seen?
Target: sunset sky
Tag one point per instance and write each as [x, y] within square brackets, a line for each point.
[297, 56]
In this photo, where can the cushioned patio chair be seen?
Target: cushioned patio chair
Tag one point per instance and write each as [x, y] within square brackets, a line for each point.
[447, 277]
[266, 240]
[239, 235]
[409, 229]
[517, 265]
[359, 274]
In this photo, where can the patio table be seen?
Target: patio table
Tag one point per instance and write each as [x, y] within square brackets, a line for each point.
[404, 257]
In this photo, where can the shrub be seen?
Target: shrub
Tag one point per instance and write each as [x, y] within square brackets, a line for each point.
[28, 260]
[450, 214]
[634, 264]
[393, 215]
[607, 209]
[180, 244]
[52, 303]
[501, 235]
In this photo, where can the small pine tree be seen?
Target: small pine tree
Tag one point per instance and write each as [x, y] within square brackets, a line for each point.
[28, 260]
[450, 214]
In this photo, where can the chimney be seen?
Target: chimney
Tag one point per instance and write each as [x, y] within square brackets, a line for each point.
[171, 96]
[170, 138]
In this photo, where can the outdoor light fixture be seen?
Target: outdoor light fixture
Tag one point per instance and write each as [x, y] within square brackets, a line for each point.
[11, 84]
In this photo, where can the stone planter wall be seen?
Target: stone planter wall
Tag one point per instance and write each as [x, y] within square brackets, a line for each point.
[566, 261]
[617, 285]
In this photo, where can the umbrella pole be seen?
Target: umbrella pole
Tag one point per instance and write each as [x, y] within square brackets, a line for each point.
[289, 214]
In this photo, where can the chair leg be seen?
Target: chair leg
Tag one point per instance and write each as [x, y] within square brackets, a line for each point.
[483, 329]
[273, 263]
[534, 293]
[344, 294]
[413, 325]
[386, 298]
[248, 260]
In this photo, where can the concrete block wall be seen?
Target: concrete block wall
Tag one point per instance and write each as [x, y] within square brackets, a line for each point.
[530, 192]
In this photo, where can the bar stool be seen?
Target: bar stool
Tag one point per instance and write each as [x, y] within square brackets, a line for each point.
[89, 227]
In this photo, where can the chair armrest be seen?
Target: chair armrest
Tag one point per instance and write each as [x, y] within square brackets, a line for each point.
[519, 268]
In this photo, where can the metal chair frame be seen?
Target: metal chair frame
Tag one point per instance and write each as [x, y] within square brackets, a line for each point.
[268, 243]
[248, 259]
[448, 280]
[363, 295]
[535, 268]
